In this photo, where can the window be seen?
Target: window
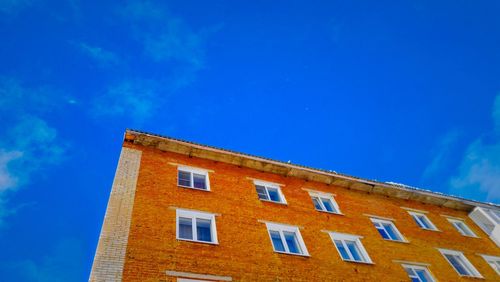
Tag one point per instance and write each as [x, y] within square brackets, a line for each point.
[269, 192]
[196, 226]
[461, 227]
[387, 230]
[422, 221]
[460, 263]
[494, 262]
[494, 214]
[286, 239]
[350, 247]
[418, 273]
[193, 178]
[324, 202]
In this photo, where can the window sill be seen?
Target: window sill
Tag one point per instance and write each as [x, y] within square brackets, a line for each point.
[200, 242]
[476, 237]
[435, 230]
[269, 201]
[329, 212]
[471, 277]
[187, 187]
[397, 241]
[360, 262]
[292, 254]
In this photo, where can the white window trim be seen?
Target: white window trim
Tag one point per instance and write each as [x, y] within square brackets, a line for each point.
[289, 228]
[420, 267]
[190, 276]
[343, 236]
[464, 259]
[413, 213]
[270, 185]
[326, 196]
[192, 170]
[493, 215]
[193, 215]
[378, 220]
[489, 258]
[452, 220]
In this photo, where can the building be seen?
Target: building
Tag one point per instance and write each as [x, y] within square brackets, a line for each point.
[180, 211]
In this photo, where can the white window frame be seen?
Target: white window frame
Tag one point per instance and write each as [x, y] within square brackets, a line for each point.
[193, 215]
[280, 228]
[466, 227]
[381, 221]
[494, 214]
[328, 196]
[266, 186]
[464, 261]
[415, 267]
[415, 216]
[350, 237]
[192, 170]
[493, 261]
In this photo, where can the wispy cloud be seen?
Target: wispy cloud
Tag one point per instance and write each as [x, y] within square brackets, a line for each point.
[442, 153]
[12, 7]
[166, 43]
[100, 55]
[138, 99]
[479, 172]
[28, 143]
[62, 263]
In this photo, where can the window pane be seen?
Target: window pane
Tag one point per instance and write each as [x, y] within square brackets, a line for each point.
[291, 242]
[391, 231]
[273, 194]
[203, 229]
[261, 191]
[423, 275]
[185, 228]
[422, 221]
[317, 205]
[425, 222]
[277, 243]
[353, 248]
[328, 205]
[463, 227]
[417, 220]
[383, 233]
[410, 271]
[184, 178]
[199, 181]
[342, 250]
[457, 264]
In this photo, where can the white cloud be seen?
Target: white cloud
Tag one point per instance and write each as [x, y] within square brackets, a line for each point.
[7, 179]
[479, 172]
[12, 7]
[28, 143]
[100, 55]
[138, 99]
[166, 43]
[441, 153]
[62, 262]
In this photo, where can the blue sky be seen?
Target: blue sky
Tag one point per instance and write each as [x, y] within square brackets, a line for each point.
[401, 91]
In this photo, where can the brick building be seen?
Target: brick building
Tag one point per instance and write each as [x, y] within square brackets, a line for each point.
[180, 211]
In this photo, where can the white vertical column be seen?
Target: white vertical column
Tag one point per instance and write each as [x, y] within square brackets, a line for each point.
[110, 254]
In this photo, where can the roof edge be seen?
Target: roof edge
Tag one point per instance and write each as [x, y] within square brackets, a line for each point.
[374, 183]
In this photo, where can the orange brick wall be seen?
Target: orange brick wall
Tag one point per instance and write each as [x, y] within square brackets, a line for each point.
[245, 252]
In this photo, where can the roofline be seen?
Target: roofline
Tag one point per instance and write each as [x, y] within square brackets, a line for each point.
[425, 193]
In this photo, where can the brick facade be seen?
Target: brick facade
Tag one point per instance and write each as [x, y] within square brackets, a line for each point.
[245, 252]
